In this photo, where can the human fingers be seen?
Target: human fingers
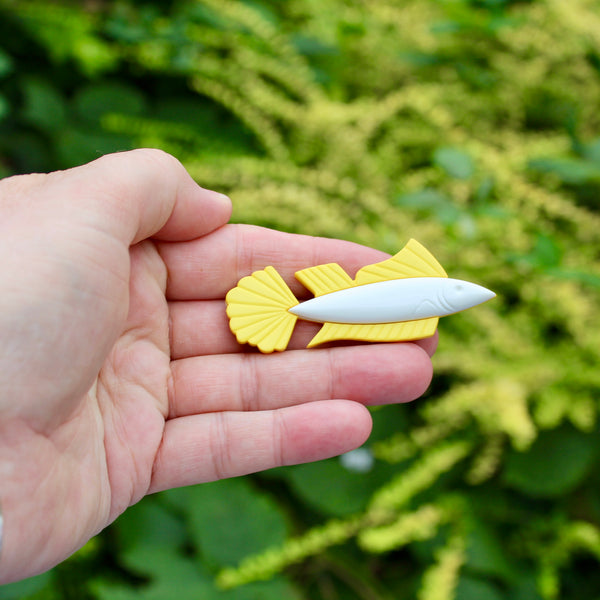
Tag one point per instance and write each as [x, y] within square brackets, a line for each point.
[141, 193]
[429, 344]
[207, 268]
[368, 374]
[206, 447]
[201, 327]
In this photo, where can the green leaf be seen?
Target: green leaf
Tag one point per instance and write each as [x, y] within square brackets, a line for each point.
[555, 464]
[171, 576]
[148, 524]
[25, 588]
[547, 252]
[277, 588]
[6, 63]
[426, 198]
[389, 419]
[313, 482]
[312, 46]
[484, 190]
[527, 588]
[334, 490]
[230, 519]
[432, 202]
[455, 162]
[591, 151]
[94, 55]
[181, 578]
[4, 107]
[476, 589]
[485, 553]
[98, 99]
[200, 122]
[79, 145]
[579, 275]
[573, 171]
[28, 150]
[44, 106]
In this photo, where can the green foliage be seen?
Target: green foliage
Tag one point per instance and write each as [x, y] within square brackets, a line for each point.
[227, 532]
[471, 125]
[556, 463]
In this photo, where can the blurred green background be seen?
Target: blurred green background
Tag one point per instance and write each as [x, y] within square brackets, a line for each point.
[472, 125]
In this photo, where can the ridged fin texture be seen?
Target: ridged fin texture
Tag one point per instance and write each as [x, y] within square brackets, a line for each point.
[414, 260]
[384, 332]
[324, 279]
[258, 311]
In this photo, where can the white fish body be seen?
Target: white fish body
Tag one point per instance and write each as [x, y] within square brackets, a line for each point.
[393, 301]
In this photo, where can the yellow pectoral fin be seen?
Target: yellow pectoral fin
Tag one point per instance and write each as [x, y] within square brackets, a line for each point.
[414, 260]
[324, 279]
[381, 332]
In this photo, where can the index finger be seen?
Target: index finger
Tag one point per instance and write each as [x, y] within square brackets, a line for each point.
[208, 267]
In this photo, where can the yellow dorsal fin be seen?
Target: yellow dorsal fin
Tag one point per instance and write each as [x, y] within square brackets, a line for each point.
[414, 260]
[324, 279]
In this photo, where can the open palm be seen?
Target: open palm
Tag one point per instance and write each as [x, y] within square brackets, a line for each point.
[118, 374]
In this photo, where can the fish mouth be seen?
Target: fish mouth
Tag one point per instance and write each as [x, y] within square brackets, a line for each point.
[481, 294]
[462, 295]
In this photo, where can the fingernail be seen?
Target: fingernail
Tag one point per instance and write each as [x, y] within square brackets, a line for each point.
[224, 199]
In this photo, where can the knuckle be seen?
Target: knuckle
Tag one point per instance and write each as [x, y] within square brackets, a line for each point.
[158, 158]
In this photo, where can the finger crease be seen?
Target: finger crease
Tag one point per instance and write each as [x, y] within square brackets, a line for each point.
[219, 442]
[249, 384]
[172, 391]
[333, 370]
[279, 437]
[171, 335]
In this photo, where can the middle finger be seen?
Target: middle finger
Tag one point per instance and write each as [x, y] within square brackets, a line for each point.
[370, 374]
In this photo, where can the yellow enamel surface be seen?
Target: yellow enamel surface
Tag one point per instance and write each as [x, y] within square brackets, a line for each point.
[258, 311]
[324, 279]
[385, 332]
[414, 260]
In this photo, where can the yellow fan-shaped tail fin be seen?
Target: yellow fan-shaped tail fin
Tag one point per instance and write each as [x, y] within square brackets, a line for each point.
[381, 332]
[258, 311]
[414, 260]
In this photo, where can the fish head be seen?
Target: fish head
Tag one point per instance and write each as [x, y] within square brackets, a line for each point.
[460, 295]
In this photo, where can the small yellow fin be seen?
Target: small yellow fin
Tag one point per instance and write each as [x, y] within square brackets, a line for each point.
[258, 311]
[324, 279]
[381, 332]
[414, 260]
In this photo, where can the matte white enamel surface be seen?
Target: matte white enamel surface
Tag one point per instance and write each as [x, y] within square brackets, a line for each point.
[394, 301]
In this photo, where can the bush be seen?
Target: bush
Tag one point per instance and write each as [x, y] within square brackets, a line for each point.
[471, 125]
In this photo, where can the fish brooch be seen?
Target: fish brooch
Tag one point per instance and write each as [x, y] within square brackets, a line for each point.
[398, 299]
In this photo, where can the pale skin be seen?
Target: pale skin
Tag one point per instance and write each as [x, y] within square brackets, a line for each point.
[119, 376]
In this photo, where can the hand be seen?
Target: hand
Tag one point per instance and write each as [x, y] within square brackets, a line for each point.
[118, 374]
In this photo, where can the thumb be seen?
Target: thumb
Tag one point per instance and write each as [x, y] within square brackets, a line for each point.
[145, 193]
